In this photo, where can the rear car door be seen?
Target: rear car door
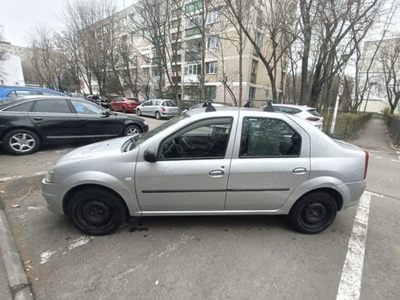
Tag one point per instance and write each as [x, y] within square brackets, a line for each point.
[54, 120]
[272, 159]
[95, 123]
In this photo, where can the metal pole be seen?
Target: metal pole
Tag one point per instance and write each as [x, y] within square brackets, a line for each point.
[225, 79]
[341, 85]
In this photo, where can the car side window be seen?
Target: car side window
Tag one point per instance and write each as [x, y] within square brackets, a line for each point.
[52, 106]
[24, 107]
[205, 140]
[86, 108]
[266, 137]
[12, 94]
[25, 93]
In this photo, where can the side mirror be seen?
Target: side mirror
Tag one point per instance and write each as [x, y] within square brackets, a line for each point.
[107, 113]
[150, 155]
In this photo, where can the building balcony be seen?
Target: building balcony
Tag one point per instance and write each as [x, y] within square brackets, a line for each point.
[193, 32]
[192, 56]
[191, 79]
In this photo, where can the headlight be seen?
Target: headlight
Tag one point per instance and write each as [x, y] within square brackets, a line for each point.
[49, 176]
[145, 123]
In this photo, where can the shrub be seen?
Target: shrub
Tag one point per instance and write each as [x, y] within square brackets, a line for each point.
[386, 111]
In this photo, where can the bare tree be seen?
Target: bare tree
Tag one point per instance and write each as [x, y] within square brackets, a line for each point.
[46, 59]
[389, 58]
[328, 25]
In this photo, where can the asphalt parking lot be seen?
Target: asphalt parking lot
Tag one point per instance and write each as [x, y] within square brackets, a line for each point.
[243, 257]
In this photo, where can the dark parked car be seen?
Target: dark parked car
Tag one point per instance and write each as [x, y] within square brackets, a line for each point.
[100, 100]
[30, 122]
[124, 104]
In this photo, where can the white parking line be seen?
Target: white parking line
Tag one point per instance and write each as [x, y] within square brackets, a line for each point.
[350, 281]
[4, 179]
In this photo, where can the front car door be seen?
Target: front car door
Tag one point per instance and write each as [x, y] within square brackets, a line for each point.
[55, 120]
[273, 159]
[146, 107]
[192, 169]
[94, 122]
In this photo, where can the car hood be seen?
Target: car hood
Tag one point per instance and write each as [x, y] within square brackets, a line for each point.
[108, 148]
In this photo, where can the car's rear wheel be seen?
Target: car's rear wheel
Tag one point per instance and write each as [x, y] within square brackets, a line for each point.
[313, 213]
[96, 211]
[21, 142]
[138, 112]
[131, 130]
[158, 116]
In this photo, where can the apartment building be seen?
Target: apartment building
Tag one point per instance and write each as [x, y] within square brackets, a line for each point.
[11, 69]
[202, 46]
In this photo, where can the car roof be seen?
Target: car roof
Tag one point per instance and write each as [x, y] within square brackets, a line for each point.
[293, 105]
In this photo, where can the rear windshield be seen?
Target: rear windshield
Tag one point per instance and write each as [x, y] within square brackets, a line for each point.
[169, 103]
[314, 112]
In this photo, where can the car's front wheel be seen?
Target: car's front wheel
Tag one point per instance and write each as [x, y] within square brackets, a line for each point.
[96, 211]
[138, 112]
[313, 213]
[21, 142]
[131, 130]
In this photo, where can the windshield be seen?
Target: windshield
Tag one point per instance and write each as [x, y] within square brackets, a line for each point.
[153, 132]
[169, 103]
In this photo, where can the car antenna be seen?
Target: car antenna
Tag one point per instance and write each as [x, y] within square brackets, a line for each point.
[269, 107]
[210, 108]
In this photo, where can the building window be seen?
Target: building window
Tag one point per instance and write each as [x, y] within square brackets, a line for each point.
[176, 36]
[146, 56]
[213, 17]
[212, 43]
[211, 91]
[175, 13]
[254, 67]
[194, 21]
[176, 23]
[193, 69]
[146, 72]
[193, 5]
[123, 22]
[252, 93]
[212, 67]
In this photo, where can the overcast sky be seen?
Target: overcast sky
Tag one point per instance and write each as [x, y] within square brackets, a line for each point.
[19, 17]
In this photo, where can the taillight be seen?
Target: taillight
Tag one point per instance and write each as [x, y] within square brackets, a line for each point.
[313, 119]
[366, 164]
[163, 108]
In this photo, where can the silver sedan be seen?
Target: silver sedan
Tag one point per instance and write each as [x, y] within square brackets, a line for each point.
[210, 161]
[158, 108]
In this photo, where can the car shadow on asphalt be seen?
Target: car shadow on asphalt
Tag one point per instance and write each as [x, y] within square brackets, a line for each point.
[218, 223]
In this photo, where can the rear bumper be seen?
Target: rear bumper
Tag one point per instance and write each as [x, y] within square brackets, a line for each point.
[352, 193]
[167, 114]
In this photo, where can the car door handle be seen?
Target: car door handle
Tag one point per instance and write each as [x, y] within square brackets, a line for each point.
[38, 118]
[216, 173]
[83, 120]
[299, 171]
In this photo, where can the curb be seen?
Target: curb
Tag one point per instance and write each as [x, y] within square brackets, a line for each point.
[389, 138]
[17, 280]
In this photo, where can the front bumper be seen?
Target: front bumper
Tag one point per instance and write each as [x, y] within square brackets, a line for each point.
[54, 195]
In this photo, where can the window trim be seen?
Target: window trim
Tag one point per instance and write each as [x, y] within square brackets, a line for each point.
[192, 126]
[215, 63]
[268, 156]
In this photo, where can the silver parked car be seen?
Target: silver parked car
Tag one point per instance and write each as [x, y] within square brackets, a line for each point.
[158, 108]
[211, 161]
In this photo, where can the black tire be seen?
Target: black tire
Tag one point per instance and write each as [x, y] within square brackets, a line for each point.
[131, 129]
[124, 109]
[138, 112]
[313, 213]
[96, 211]
[29, 142]
[158, 116]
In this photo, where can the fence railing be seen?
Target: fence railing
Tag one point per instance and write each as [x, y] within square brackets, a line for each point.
[347, 125]
[393, 127]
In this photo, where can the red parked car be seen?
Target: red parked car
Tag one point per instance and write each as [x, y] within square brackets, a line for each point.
[124, 104]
